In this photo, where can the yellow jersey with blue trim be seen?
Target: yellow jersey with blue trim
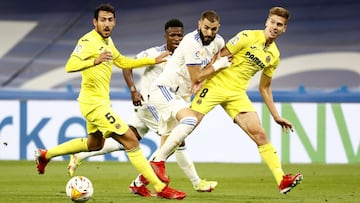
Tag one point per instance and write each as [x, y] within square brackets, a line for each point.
[95, 84]
[250, 55]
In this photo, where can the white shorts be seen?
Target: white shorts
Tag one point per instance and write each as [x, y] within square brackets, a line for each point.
[144, 118]
[168, 104]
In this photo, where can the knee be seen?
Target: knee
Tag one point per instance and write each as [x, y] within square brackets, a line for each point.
[129, 140]
[95, 141]
[95, 147]
[260, 137]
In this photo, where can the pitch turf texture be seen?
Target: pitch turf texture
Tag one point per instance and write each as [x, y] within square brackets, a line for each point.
[246, 183]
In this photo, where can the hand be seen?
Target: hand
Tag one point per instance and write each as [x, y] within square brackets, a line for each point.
[195, 87]
[221, 63]
[285, 125]
[162, 57]
[103, 57]
[137, 98]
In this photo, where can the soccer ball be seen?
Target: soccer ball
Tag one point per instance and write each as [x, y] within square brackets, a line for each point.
[79, 189]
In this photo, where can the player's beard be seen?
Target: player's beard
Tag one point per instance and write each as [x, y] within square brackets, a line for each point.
[106, 32]
[206, 41]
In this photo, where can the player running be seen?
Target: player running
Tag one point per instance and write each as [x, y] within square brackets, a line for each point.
[94, 57]
[145, 117]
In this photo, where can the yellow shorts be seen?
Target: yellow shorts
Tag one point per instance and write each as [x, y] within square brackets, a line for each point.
[232, 101]
[102, 118]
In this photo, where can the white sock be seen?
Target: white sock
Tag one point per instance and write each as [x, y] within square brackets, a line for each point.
[177, 135]
[110, 145]
[187, 165]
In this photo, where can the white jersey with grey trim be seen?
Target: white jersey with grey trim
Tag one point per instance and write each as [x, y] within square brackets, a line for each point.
[190, 51]
[151, 72]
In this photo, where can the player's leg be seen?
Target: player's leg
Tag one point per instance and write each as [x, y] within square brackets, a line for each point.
[138, 160]
[250, 123]
[93, 142]
[187, 166]
[187, 123]
[76, 159]
[138, 126]
[116, 128]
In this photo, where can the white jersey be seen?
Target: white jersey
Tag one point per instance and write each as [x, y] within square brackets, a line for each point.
[146, 116]
[153, 71]
[190, 51]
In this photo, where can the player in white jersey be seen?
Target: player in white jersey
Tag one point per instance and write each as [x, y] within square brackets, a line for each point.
[146, 118]
[191, 63]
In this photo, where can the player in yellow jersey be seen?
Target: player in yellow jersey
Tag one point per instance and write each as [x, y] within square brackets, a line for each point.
[94, 57]
[252, 51]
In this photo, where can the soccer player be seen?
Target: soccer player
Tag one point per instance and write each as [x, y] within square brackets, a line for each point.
[252, 51]
[170, 93]
[145, 115]
[94, 57]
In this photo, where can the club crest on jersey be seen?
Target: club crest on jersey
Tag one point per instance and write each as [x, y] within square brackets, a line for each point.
[199, 101]
[117, 126]
[268, 58]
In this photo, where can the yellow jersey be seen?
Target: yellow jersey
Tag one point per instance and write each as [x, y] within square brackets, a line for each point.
[249, 56]
[95, 85]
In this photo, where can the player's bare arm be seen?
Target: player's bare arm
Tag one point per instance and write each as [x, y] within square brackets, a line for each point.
[225, 52]
[136, 97]
[266, 93]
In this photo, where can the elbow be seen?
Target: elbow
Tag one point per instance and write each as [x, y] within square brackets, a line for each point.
[68, 69]
[197, 80]
[262, 90]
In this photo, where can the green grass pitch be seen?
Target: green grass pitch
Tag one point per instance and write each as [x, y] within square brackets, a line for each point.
[248, 183]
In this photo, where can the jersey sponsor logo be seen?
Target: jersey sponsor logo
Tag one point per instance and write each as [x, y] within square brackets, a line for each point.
[255, 60]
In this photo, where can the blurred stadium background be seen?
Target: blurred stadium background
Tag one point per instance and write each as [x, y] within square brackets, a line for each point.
[317, 83]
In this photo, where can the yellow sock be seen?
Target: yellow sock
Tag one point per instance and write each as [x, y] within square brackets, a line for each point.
[271, 159]
[139, 161]
[69, 147]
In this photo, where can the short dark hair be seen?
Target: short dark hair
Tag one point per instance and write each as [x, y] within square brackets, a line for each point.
[211, 15]
[104, 7]
[173, 23]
